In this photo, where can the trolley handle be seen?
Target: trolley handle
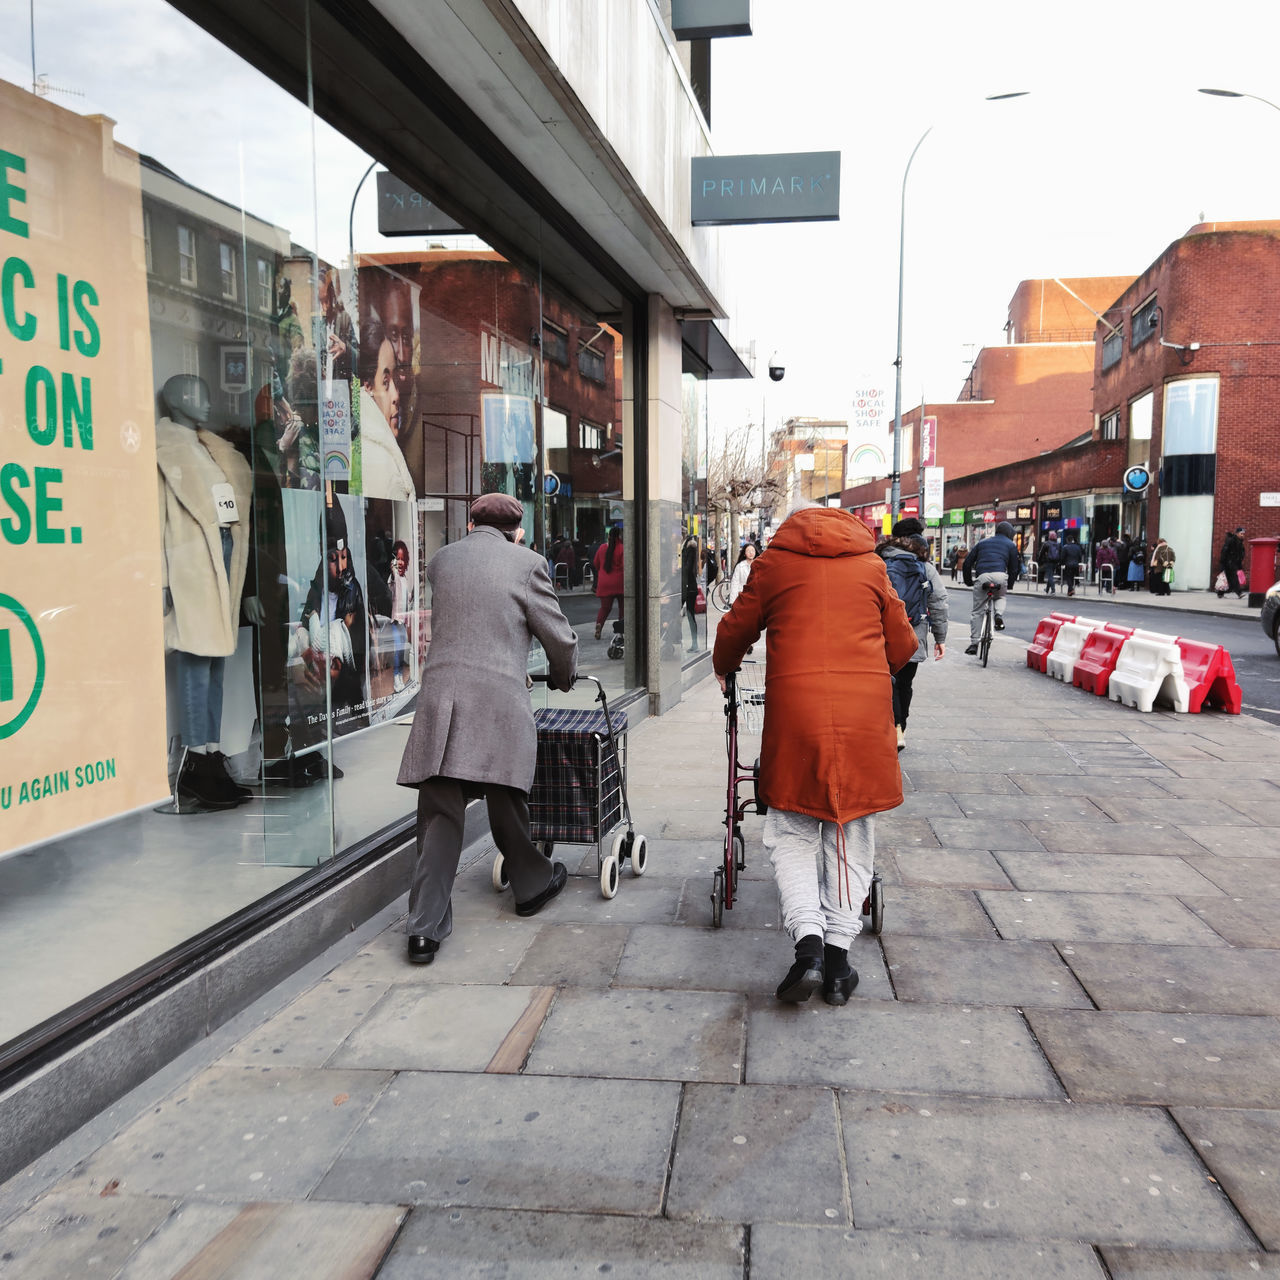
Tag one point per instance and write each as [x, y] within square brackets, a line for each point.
[544, 678]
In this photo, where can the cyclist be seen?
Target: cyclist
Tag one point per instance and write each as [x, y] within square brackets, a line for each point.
[994, 562]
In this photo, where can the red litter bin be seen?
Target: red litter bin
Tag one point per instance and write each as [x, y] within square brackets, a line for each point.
[1262, 568]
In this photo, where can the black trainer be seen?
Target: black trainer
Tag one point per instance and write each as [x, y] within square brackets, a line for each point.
[973, 648]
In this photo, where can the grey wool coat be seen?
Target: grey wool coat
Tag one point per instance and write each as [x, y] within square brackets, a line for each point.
[474, 719]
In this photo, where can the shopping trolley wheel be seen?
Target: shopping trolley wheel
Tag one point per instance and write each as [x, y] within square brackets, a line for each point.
[639, 856]
[873, 907]
[500, 882]
[717, 899]
[609, 877]
[739, 850]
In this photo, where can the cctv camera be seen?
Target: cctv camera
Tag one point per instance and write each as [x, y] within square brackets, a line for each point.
[776, 368]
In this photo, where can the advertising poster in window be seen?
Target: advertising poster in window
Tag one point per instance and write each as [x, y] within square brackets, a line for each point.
[328, 576]
[82, 705]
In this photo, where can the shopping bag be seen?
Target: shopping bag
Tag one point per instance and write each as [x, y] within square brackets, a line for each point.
[1168, 574]
[700, 604]
[1220, 582]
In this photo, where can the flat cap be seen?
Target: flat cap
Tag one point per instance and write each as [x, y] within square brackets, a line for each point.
[499, 509]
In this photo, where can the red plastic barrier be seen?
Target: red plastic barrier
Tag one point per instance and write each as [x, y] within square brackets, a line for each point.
[1046, 633]
[1210, 676]
[1098, 659]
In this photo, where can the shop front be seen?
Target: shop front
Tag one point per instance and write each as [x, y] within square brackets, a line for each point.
[252, 380]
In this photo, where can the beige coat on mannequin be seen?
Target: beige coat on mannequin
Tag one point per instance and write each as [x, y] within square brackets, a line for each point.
[202, 601]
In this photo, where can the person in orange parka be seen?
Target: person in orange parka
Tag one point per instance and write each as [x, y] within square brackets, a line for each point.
[835, 630]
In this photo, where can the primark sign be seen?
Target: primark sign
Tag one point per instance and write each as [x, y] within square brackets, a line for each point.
[795, 186]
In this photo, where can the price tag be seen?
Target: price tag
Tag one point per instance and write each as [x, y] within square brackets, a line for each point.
[224, 503]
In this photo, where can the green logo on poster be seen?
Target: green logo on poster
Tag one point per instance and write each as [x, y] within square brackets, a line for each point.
[9, 727]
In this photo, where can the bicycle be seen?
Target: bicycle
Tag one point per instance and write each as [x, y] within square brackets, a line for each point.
[719, 596]
[988, 623]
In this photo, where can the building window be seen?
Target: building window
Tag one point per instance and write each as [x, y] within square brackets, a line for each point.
[591, 364]
[187, 256]
[1140, 418]
[1111, 425]
[555, 344]
[1191, 416]
[227, 271]
[265, 285]
[1112, 348]
[146, 236]
[1146, 318]
[591, 435]
[190, 357]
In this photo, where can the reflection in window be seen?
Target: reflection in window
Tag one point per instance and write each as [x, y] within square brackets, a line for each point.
[591, 364]
[186, 255]
[555, 344]
[265, 285]
[227, 268]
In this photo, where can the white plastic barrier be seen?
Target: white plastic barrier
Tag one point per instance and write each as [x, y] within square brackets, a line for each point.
[1149, 670]
[1067, 645]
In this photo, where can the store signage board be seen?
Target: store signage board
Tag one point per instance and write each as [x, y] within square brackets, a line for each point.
[709, 19]
[82, 698]
[933, 482]
[1269, 499]
[796, 186]
[928, 442]
[404, 212]
[1136, 479]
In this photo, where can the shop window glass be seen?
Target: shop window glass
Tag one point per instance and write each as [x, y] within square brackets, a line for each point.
[225, 665]
[1191, 416]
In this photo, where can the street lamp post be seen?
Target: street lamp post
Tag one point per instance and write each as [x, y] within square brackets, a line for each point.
[1232, 93]
[895, 495]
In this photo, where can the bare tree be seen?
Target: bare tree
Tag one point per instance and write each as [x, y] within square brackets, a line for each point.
[738, 480]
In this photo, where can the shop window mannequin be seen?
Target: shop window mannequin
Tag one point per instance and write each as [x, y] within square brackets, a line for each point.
[205, 490]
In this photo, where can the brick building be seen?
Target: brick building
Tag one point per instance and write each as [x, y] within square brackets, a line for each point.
[1187, 378]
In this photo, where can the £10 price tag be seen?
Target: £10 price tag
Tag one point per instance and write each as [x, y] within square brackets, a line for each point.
[224, 503]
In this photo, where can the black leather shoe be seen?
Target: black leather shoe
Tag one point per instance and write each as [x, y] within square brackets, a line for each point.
[422, 950]
[839, 976]
[973, 648]
[559, 877]
[805, 976]
[999, 624]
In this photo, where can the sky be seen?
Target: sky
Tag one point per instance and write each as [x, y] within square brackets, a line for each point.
[1111, 157]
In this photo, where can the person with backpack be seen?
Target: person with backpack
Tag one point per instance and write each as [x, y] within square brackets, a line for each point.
[1050, 555]
[920, 588]
[1072, 558]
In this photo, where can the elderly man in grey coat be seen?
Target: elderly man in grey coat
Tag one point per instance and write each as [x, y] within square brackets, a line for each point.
[473, 732]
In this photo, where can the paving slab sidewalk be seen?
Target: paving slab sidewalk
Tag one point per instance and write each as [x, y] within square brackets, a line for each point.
[1061, 1059]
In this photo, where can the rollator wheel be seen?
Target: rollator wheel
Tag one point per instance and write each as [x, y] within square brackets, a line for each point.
[500, 882]
[619, 848]
[639, 856]
[717, 899]
[875, 901]
[739, 850]
[609, 877]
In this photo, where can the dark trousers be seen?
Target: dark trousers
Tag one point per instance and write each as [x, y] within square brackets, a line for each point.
[442, 807]
[903, 682]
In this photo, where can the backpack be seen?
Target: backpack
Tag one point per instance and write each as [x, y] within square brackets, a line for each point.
[911, 581]
[1052, 551]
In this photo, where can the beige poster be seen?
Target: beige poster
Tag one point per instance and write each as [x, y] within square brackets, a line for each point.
[82, 711]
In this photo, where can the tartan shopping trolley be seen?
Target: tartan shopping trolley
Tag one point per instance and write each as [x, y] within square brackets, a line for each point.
[580, 789]
[744, 709]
